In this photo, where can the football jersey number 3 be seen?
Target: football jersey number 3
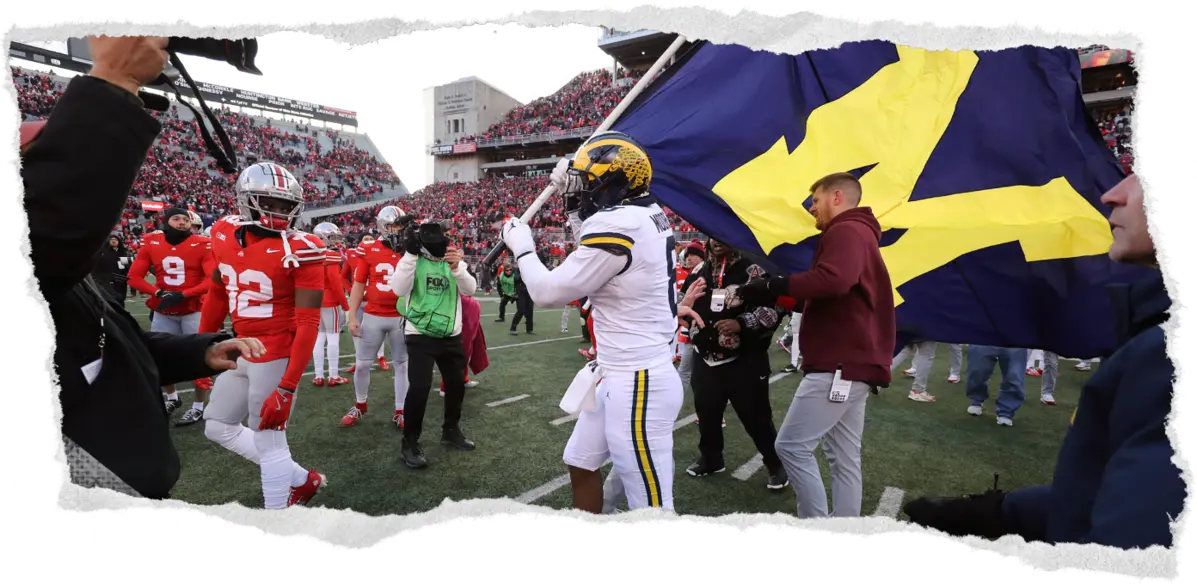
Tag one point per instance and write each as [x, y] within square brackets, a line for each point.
[240, 300]
[386, 270]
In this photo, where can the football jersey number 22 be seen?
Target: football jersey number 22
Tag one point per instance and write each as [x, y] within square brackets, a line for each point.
[241, 300]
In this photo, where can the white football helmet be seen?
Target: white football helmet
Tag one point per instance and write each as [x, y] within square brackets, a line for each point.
[269, 184]
[387, 218]
[207, 232]
[197, 223]
[328, 232]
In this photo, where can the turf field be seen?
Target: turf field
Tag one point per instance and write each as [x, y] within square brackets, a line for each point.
[909, 448]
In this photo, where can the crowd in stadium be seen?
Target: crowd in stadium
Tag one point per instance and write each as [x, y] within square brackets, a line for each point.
[179, 172]
[583, 102]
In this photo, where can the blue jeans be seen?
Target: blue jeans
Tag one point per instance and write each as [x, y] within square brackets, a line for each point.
[1013, 362]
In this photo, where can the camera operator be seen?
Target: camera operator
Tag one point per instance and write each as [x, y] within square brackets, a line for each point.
[432, 277]
[731, 360]
[77, 173]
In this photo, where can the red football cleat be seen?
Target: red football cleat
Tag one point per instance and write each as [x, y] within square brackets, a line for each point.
[382, 364]
[354, 415]
[318, 382]
[398, 419]
[351, 369]
[301, 495]
[587, 354]
[337, 381]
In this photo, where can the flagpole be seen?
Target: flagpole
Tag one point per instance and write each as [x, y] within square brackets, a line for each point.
[607, 124]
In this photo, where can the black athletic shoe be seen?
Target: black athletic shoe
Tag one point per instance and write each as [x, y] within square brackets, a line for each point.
[173, 405]
[778, 480]
[500, 320]
[702, 468]
[191, 417]
[413, 455]
[789, 369]
[457, 439]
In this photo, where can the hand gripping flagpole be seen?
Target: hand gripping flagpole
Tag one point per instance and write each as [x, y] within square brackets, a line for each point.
[607, 124]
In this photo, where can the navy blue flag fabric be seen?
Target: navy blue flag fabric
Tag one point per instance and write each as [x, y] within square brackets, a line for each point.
[982, 167]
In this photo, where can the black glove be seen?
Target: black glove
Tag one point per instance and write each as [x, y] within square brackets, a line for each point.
[978, 515]
[761, 292]
[169, 299]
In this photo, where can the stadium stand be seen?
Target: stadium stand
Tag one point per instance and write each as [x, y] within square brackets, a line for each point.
[583, 102]
[335, 168]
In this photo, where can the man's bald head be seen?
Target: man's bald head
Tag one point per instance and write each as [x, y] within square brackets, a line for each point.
[832, 195]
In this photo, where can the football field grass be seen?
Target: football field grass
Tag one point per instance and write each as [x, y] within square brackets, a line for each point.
[914, 448]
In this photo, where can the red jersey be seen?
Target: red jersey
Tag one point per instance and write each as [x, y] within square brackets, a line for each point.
[681, 273]
[184, 268]
[334, 289]
[348, 267]
[260, 288]
[375, 264]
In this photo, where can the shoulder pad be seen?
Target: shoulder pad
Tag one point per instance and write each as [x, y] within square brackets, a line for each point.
[611, 219]
[306, 240]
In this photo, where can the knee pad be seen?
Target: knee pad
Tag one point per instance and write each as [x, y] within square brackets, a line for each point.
[220, 433]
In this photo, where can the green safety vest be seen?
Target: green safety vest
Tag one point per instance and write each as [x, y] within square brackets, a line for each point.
[432, 304]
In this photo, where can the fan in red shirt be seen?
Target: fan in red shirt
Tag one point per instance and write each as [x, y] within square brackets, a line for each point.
[691, 255]
[270, 279]
[381, 319]
[181, 262]
[332, 309]
[352, 259]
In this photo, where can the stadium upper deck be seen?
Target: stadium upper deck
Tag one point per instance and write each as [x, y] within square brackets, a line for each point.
[335, 167]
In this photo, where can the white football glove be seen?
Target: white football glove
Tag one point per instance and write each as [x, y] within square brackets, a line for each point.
[518, 237]
[563, 181]
[560, 176]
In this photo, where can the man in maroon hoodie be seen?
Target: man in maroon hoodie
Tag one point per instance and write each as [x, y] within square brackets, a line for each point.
[847, 338]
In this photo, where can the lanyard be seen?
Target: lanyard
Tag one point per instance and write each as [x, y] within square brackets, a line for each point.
[722, 267]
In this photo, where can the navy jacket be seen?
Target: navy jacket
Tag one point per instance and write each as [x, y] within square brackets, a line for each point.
[1115, 483]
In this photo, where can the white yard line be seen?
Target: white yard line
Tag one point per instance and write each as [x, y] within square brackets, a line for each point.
[746, 471]
[496, 348]
[573, 417]
[565, 419]
[507, 400]
[552, 485]
[563, 480]
[891, 501]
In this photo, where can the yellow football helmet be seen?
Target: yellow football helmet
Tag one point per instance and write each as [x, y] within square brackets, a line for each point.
[613, 169]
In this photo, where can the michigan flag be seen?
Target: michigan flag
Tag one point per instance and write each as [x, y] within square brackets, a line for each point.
[982, 167]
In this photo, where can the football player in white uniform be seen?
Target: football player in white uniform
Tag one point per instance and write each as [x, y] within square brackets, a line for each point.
[624, 266]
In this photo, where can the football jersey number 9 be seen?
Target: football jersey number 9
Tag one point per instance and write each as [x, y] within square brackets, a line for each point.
[240, 299]
[386, 270]
[175, 272]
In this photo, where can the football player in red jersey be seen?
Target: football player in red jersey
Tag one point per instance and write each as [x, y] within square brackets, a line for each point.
[352, 259]
[181, 262]
[382, 319]
[332, 310]
[270, 278]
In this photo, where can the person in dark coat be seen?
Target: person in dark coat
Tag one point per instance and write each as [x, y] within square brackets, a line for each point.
[1115, 483]
[523, 305]
[112, 271]
[77, 169]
